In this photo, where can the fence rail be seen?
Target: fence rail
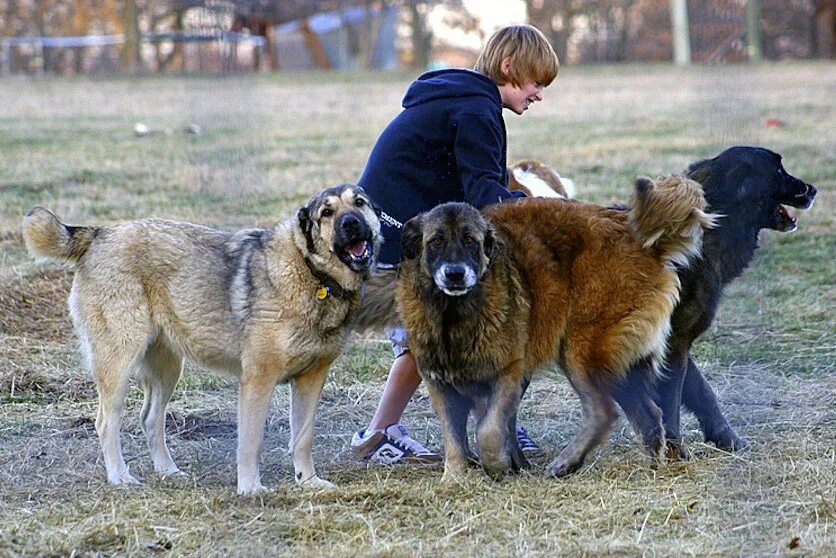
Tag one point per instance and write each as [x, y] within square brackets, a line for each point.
[39, 43]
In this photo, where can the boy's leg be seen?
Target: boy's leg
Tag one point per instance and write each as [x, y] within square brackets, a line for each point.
[401, 384]
[385, 440]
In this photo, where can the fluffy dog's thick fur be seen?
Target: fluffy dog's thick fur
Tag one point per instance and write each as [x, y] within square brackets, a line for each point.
[747, 186]
[266, 305]
[488, 300]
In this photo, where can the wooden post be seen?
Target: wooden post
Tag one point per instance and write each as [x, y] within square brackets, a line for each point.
[5, 58]
[315, 46]
[131, 56]
[753, 30]
[679, 27]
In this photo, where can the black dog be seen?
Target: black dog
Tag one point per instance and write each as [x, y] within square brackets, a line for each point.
[749, 187]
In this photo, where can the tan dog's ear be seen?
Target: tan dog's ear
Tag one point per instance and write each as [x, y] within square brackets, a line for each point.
[412, 237]
[306, 224]
[377, 210]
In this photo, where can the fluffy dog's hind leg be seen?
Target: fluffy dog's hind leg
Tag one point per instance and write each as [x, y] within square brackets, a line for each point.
[452, 409]
[598, 413]
[699, 398]
[634, 395]
[160, 373]
[305, 390]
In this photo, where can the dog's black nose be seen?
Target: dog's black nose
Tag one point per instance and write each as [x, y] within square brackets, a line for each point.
[454, 273]
[352, 224]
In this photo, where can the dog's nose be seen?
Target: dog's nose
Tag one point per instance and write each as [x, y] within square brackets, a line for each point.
[454, 273]
[351, 224]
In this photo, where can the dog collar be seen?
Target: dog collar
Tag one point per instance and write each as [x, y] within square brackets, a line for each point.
[328, 286]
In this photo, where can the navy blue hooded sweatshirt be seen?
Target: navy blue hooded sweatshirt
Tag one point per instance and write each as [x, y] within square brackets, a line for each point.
[448, 144]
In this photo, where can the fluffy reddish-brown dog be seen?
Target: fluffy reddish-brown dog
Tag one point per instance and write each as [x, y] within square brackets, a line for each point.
[489, 299]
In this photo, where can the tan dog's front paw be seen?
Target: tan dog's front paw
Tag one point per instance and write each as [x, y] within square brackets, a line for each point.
[316, 483]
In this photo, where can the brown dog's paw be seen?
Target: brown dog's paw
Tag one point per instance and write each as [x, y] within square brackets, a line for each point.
[560, 468]
[674, 450]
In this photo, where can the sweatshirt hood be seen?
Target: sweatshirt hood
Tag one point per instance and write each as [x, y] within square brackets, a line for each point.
[449, 83]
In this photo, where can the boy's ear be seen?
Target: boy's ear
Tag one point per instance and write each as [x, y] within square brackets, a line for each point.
[412, 237]
[505, 66]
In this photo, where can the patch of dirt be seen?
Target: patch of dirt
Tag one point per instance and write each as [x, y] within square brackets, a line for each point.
[35, 306]
[198, 426]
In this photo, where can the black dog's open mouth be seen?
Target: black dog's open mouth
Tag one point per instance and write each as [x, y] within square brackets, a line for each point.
[782, 220]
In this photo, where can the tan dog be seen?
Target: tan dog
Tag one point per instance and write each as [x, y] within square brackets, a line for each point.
[265, 305]
[489, 299]
[539, 180]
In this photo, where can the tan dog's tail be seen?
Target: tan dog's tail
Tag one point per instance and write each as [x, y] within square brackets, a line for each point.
[669, 215]
[377, 309]
[47, 237]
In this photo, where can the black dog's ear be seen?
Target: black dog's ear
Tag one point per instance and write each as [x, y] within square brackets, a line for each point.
[412, 237]
[306, 224]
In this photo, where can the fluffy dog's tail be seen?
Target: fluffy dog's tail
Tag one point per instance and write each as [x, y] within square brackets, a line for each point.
[669, 215]
[47, 237]
[377, 309]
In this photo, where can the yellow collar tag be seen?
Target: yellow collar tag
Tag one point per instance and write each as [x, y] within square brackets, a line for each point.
[322, 292]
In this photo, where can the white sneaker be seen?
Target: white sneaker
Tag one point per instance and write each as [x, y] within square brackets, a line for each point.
[391, 446]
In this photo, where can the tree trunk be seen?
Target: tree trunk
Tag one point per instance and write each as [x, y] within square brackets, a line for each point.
[421, 38]
[130, 27]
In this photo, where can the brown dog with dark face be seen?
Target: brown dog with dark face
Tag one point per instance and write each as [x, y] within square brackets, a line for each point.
[489, 299]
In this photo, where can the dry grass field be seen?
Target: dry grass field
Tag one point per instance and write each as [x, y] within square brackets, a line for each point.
[267, 142]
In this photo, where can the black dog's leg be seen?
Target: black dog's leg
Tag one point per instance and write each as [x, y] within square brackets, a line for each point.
[634, 394]
[669, 399]
[699, 398]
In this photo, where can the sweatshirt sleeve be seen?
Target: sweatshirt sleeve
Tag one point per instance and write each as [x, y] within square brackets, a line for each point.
[478, 147]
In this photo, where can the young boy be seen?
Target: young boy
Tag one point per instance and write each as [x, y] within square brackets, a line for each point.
[448, 144]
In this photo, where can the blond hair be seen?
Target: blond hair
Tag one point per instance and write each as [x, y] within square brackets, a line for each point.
[532, 57]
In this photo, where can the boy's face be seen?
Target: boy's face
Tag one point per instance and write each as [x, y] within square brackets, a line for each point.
[518, 99]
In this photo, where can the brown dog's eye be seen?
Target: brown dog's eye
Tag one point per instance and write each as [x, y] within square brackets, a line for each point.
[327, 212]
[467, 240]
[436, 242]
[359, 202]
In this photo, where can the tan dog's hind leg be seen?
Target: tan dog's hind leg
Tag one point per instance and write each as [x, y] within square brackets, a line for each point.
[492, 431]
[256, 389]
[305, 390]
[160, 373]
[598, 414]
[113, 375]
